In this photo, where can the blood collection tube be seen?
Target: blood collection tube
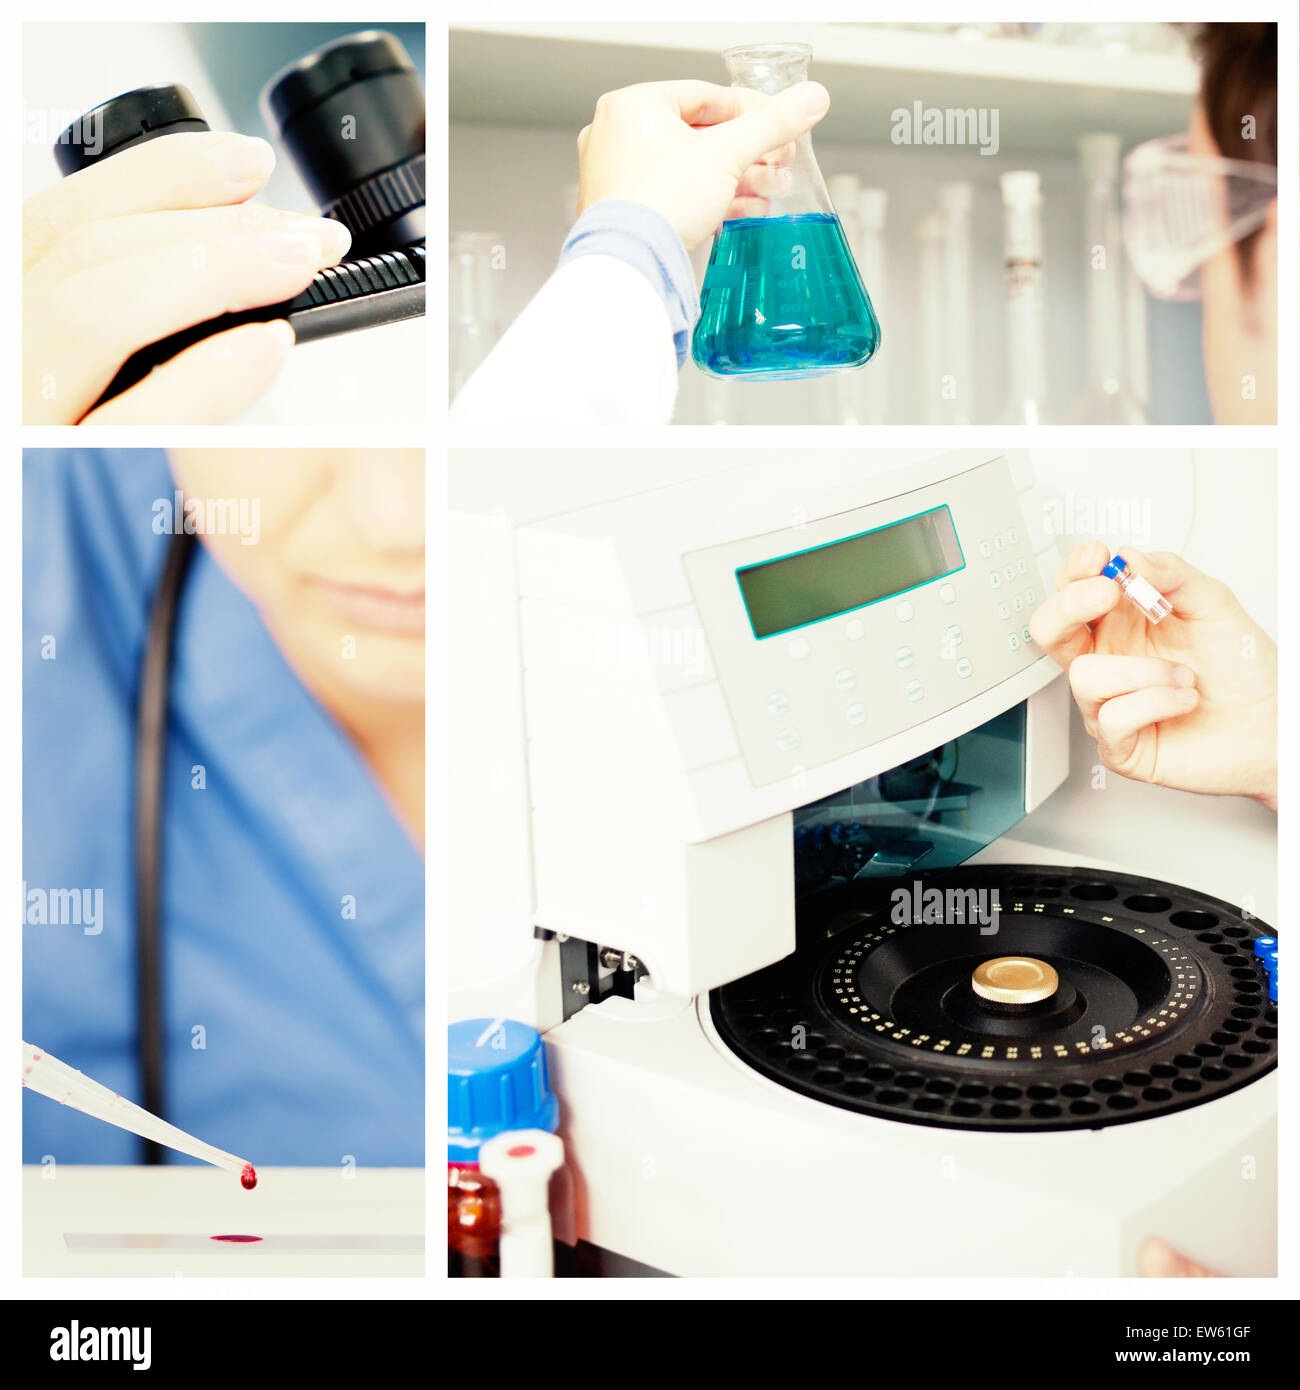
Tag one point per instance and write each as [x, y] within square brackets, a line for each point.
[1137, 590]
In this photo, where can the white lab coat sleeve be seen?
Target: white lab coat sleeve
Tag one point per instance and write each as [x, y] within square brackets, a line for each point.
[593, 347]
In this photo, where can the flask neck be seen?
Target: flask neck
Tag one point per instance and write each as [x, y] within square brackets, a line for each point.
[768, 67]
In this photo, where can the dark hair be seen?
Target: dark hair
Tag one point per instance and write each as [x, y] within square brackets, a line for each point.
[1239, 79]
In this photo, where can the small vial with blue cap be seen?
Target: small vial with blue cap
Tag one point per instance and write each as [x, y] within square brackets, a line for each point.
[1266, 954]
[1137, 590]
[502, 1151]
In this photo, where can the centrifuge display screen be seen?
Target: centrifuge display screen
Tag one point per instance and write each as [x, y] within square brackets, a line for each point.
[829, 579]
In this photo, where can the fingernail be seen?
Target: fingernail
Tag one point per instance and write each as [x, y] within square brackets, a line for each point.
[1158, 1261]
[243, 158]
[1184, 676]
[292, 248]
[814, 98]
[262, 345]
[334, 237]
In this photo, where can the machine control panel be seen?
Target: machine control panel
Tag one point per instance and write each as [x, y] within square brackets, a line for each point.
[849, 629]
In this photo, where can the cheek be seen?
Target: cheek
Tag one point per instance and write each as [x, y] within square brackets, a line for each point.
[255, 568]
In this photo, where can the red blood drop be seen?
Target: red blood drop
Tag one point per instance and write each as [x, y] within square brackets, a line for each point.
[521, 1151]
[238, 1240]
[248, 1177]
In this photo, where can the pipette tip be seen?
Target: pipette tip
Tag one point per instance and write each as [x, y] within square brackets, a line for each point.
[248, 1177]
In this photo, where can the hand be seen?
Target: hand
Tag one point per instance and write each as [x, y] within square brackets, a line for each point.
[1191, 703]
[1156, 1260]
[694, 152]
[155, 239]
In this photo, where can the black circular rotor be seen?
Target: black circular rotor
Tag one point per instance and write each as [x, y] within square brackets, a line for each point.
[1160, 1003]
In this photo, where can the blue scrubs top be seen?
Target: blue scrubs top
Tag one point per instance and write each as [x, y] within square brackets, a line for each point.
[293, 900]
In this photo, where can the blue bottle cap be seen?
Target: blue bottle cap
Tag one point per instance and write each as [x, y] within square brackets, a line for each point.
[1114, 565]
[1265, 943]
[496, 1081]
[1270, 959]
[1272, 989]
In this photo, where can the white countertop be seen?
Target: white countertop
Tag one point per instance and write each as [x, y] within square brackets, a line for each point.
[160, 1222]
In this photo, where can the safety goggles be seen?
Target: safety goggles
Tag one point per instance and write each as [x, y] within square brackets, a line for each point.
[1180, 209]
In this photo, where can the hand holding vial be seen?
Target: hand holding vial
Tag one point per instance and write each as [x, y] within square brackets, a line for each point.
[1190, 703]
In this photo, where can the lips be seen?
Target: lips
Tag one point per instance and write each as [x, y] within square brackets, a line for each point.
[380, 610]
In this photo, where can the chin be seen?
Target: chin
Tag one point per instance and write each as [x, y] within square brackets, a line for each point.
[383, 667]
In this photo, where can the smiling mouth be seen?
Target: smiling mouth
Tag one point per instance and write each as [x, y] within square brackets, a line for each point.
[380, 610]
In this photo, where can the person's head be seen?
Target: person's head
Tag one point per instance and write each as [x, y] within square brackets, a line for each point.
[1235, 117]
[336, 560]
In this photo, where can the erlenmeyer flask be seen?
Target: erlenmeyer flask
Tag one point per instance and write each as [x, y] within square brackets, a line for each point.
[782, 295]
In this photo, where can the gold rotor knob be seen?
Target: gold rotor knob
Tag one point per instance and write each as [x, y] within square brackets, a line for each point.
[1014, 980]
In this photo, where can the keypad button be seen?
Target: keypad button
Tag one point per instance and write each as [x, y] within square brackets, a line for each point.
[947, 594]
[904, 611]
[778, 703]
[963, 668]
[799, 648]
[1004, 611]
[854, 715]
[903, 658]
[914, 691]
[787, 740]
[845, 679]
[854, 629]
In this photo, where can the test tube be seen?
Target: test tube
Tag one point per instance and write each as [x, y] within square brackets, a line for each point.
[474, 298]
[932, 277]
[1137, 590]
[1022, 231]
[1106, 398]
[959, 358]
[848, 389]
[872, 205]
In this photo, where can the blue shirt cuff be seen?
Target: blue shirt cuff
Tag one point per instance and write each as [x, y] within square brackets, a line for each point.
[645, 240]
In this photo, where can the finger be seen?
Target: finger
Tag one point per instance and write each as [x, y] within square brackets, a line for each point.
[207, 384]
[765, 181]
[92, 322]
[1082, 562]
[747, 207]
[706, 103]
[95, 243]
[1060, 624]
[1095, 679]
[783, 118]
[1156, 1260]
[1120, 721]
[198, 170]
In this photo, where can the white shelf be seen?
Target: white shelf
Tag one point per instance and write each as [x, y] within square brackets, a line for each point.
[1046, 94]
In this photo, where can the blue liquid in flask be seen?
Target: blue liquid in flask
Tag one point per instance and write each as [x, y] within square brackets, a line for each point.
[782, 297]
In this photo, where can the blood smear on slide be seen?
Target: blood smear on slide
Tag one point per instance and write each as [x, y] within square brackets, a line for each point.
[96, 1240]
